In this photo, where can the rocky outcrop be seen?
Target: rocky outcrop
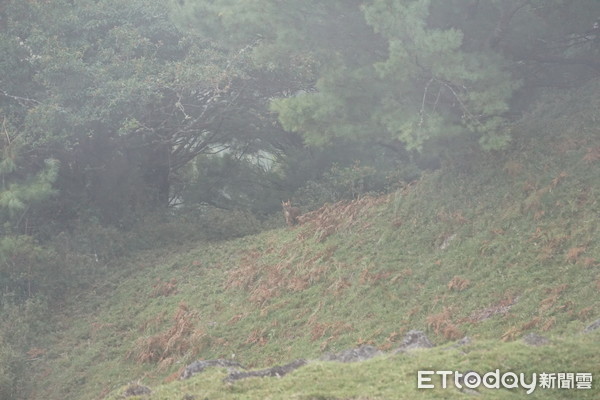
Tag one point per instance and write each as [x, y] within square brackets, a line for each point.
[414, 340]
[136, 389]
[459, 345]
[201, 365]
[592, 327]
[533, 339]
[359, 354]
[277, 371]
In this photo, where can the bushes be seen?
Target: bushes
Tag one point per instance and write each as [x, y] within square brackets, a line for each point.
[26, 269]
[10, 364]
[218, 224]
[72, 259]
[188, 225]
[20, 325]
[347, 183]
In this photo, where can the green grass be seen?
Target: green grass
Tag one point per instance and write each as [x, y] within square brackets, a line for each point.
[395, 377]
[515, 232]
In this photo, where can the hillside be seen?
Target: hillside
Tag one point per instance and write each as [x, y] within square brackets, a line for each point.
[495, 247]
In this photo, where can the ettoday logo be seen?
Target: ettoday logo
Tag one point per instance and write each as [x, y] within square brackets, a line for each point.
[506, 380]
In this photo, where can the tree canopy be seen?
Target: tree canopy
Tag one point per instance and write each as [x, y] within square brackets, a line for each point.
[417, 72]
[111, 101]
[123, 99]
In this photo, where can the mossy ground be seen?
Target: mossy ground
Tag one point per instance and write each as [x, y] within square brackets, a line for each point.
[493, 248]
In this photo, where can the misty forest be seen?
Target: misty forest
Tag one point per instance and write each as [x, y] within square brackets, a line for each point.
[286, 199]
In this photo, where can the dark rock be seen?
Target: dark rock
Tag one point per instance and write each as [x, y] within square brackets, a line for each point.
[359, 354]
[459, 343]
[533, 339]
[592, 327]
[414, 340]
[200, 365]
[135, 389]
[277, 371]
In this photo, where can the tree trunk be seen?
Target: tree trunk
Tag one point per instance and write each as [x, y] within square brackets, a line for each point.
[157, 177]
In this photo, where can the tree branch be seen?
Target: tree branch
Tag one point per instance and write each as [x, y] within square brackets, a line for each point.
[503, 23]
[19, 99]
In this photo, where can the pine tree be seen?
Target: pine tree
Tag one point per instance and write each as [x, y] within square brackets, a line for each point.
[20, 187]
[417, 72]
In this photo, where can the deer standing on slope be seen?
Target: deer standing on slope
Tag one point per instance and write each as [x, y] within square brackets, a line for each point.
[290, 213]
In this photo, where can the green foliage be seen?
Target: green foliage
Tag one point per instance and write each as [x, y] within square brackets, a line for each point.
[20, 327]
[233, 181]
[124, 100]
[91, 250]
[9, 382]
[27, 269]
[311, 176]
[16, 197]
[425, 87]
[191, 224]
[341, 183]
[395, 377]
[346, 171]
[421, 72]
[21, 186]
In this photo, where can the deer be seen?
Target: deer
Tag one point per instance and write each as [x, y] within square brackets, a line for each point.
[290, 213]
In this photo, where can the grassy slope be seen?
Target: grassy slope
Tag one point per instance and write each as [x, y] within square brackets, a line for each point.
[516, 231]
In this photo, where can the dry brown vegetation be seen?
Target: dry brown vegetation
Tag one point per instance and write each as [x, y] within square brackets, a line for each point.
[182, 337]
[573, 254]
[549, 324]
[162, 288]
[592, 155]
[558, 179]
[535, 321]
[332, 218]
[554, 294]
[442, 324]
[296, 270]
[458, 284]
[511, 334]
